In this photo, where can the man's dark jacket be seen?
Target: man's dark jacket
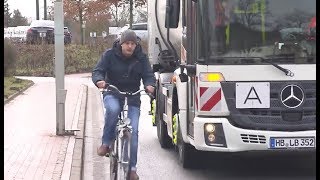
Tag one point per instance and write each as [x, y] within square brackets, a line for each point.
[124, 73]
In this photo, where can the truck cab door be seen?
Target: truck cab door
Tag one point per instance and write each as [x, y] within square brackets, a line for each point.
[192, 55]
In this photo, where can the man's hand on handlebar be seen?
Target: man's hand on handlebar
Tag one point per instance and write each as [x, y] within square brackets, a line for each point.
[150, 91]
[102, 84]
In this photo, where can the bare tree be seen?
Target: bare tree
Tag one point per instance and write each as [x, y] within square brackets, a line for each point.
[50, 15]
[120, 12]
[18, 19]
[297, 18]
[87, 11]
[249, 12]
[142, 15]
[7, 14]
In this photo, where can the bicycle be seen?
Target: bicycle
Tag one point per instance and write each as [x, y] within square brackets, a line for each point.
[120, 148]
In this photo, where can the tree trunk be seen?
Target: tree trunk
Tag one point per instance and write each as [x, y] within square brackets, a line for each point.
[81, 22]
[131, 15]
[45, 9]
[37, 9]
[117, 21]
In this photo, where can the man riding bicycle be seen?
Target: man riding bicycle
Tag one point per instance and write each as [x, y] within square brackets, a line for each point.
[124, 65]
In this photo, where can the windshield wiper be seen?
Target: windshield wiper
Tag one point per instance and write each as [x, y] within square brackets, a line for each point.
[267, 60]
[286, 71]
[250, 60]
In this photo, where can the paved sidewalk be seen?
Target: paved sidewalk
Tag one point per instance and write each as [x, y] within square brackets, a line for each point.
[31, 148]
[94, 166]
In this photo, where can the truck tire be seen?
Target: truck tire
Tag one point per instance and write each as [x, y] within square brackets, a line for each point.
[164, 138]
[186, 152]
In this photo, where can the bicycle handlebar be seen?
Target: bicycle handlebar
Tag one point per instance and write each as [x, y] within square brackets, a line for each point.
[120, 92]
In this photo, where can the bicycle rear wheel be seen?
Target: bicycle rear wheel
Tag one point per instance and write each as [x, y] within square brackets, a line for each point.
[124, 156]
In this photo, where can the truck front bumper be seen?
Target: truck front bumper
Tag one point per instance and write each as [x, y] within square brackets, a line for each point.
[237, 139]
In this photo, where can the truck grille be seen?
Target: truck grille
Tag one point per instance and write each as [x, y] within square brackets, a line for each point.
[255, 139]
[277, 117]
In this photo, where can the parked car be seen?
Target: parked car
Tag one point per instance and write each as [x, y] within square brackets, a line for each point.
[67, 36]
[41, 30]
[141, 29]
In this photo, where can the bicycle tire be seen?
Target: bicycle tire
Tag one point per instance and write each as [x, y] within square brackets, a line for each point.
[114, 160]
[124, 156]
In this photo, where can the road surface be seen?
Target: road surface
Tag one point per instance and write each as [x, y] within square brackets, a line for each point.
[157, 163]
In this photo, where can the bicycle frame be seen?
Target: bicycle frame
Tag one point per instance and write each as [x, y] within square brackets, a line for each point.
[120, 149]
[122, 142]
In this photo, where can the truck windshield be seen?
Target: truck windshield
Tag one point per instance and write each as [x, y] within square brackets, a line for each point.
[283, 31]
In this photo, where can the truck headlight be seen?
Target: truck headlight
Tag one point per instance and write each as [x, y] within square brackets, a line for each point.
[210, 128]
[214, 135]
[211, 137]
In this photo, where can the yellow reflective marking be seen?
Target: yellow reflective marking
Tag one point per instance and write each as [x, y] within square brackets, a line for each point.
[153, 117]
[228, 34]
[175, 129]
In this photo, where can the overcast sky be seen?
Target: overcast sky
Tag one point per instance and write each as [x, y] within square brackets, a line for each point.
[28, 7]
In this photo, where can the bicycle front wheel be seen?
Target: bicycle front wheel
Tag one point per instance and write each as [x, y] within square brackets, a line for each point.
[114, 160]
[124, 156]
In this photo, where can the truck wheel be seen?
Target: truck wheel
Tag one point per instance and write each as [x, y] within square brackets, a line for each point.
[186, 152]
[164, 139]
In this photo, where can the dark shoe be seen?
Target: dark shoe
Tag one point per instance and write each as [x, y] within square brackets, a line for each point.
[103, 150]
[133, 175]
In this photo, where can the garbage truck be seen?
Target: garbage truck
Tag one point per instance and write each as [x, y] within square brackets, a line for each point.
[233, 75]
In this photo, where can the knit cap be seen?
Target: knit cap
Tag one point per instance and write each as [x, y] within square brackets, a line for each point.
[128, 35]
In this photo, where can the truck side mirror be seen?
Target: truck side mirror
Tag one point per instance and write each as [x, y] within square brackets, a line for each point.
[183, 77]
[172, 13]
[191, 71]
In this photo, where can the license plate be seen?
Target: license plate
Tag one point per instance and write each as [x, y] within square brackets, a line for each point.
[42, 34]
[292, 142]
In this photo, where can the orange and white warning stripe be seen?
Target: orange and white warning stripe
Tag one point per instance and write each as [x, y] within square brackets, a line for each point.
[196, 93]
[210, 99]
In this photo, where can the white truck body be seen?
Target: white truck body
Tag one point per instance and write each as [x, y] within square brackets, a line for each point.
[249, 104]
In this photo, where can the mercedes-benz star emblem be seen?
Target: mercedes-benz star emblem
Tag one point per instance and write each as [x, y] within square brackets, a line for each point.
[292, 96]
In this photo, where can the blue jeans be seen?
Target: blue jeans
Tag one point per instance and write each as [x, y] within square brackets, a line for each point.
[113, 106]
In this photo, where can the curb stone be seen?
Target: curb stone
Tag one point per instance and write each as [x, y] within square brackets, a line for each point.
[18, 93]
[77, 158]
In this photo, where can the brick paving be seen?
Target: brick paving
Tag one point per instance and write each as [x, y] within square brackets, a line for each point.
[31, 148]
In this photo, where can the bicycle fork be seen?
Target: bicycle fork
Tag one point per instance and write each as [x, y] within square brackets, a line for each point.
[124, 146]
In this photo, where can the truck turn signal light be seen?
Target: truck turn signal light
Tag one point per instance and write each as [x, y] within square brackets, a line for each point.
[211, 77]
